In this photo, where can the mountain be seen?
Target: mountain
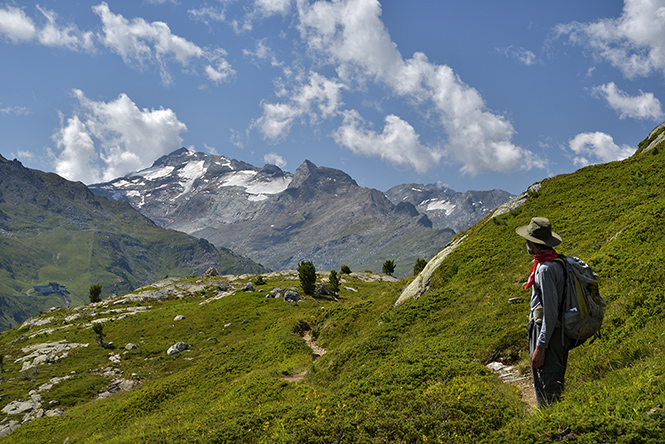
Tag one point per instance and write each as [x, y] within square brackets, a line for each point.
[257, 369]
[277, 218]
[447, 208]
[54, 230]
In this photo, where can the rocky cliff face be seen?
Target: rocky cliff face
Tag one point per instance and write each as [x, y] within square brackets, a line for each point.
[277, 218]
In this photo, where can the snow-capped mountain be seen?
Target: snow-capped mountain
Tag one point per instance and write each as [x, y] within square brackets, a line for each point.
[277, 218]
[447, 208]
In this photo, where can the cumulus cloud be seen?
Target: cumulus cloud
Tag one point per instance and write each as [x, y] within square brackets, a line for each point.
[590, 148]
[18, 28]
[349, 35]
[643, 106]
[319, 97]
[109, 140]
[634, 43]
[398, 143]
[274, 159]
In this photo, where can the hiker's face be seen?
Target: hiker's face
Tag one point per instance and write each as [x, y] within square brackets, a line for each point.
[530, 248]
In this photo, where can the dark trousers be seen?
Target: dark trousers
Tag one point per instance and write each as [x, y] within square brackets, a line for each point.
[548, 380]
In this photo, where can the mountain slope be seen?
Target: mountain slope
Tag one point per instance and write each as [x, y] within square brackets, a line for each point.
[317, 214]
[412, 373]
[55, 230]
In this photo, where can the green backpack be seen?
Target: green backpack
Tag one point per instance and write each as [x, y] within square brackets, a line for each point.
[582, 308]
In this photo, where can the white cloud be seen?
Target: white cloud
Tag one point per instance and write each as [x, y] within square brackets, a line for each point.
[207, 14]
[590, 148]
[398, 143]
[69, 37]
[140, 42]
[109, 140]
[521, 54]
[349, 35]
[16, 110]
[643, 106]
[274, 159]
[77, 152]
[270, 7]
[16, 25]
[633, 43]
[319, 98]
[22, 154]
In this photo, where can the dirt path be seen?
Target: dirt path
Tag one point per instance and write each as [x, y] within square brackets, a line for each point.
[316, 349]
[510, 375]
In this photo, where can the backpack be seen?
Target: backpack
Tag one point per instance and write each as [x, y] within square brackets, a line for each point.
[582, 308]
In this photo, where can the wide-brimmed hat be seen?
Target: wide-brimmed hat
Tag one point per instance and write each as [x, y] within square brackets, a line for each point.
[540, 232]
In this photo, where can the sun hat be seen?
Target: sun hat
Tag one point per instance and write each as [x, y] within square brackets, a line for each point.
[539, 231]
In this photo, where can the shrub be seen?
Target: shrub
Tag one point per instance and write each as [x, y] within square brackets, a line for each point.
[334, 281]
[307, 275]
[95, 292]
[419, 266]
[389, 267]
[260, 281]
[345, 269]
[99, 331]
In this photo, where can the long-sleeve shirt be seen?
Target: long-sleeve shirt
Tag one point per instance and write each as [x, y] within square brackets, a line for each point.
[546, 298]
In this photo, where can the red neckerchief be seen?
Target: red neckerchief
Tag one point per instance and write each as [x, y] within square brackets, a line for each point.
[544, 255]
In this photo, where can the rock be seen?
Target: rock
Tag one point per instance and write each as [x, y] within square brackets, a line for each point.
[131, 346]
[179, 318]
[211, 272]
[514, 300]
[248, 287]
[321, 290]
[223, 286]
[276, 293]
[291, 296]
[6, 429]
[177, 348]
[19, 407]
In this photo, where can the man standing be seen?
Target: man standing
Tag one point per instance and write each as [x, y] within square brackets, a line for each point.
[547, 344]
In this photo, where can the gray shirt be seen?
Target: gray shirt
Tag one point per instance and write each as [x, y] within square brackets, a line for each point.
[546, 298]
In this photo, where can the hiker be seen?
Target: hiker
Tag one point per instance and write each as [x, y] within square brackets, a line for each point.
[548, 347]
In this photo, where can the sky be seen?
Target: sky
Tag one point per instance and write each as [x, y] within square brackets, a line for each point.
[472, 95]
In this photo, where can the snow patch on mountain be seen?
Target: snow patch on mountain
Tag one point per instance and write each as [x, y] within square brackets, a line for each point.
[444, 205]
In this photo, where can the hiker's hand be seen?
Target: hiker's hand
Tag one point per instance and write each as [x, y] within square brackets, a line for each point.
[538, 358]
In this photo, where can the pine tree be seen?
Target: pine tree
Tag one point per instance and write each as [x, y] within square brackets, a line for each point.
[307, 275]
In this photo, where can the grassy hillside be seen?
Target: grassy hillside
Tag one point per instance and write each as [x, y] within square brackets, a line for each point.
[413, 373]
[52, 229]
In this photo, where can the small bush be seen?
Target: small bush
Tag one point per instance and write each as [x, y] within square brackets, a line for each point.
[307, 275]
[260, 281]
[345, 269]
[419, 266]
[334, 281]
[389, 267]
[95, 292]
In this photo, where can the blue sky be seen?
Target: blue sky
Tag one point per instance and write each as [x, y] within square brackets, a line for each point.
[473, 95]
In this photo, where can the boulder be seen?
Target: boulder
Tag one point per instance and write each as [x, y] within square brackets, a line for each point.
[177, 348]
[19, 407]
[276, 293]
[248, 287]
[7, 428]
[131, 346]
[291, 296]
[211, 272]
[179, 318]
[321, 290]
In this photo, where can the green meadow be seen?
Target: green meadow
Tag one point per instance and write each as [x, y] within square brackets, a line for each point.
[409, 374]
